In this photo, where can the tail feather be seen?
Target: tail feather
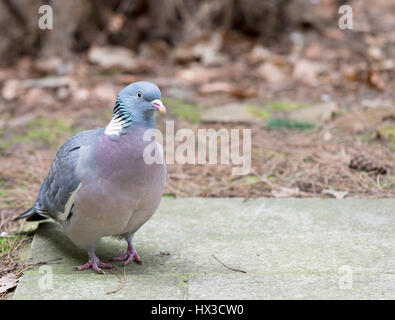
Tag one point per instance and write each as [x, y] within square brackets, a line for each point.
[27, 214]
[32, 214]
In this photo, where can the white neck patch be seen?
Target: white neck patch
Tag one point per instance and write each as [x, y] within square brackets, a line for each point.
[114, 127]
[121, 118]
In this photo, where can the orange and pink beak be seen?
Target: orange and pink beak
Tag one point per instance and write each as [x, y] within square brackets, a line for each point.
[158, 105]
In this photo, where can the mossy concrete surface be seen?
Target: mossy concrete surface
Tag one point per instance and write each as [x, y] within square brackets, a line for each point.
[272, 249]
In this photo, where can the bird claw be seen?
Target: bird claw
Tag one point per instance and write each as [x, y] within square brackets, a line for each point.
[95, 264]
[128, 257]
[121, 258]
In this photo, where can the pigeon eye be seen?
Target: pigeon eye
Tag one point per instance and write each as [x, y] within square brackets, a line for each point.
[139, 95]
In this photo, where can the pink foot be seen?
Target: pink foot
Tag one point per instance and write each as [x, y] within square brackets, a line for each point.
[95, 264]
[130, 255]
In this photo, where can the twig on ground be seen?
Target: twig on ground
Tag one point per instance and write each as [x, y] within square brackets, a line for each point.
[29, 265]
[233, 269]
[122, 281]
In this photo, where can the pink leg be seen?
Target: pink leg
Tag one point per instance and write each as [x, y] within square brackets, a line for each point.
[130, 255]
[94, 263]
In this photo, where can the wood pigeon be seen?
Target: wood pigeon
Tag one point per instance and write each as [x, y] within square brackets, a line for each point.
[100, 184]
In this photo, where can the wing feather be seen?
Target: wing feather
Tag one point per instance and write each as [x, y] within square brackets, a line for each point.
[59, 189]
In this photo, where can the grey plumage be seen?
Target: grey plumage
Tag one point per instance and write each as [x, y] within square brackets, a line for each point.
[62, 179]
[99, 184]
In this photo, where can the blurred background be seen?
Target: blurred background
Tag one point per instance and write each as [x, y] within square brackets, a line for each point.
[319, 100]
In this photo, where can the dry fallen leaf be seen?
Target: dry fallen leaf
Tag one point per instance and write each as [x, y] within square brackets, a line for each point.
[271, 73]
[7, 282]
[335, 193]
[375, 53]
[243, 93]
[307, 71]
[109, 57]
[367, 163]
[334, 33]
[286, 192]
[116, 22]
[198, 74]
[209, 51]
[11, 89]
[104, 92]
[258, 54]
[376, 80]
[318, 113]
[225, 87]
[216, 87]
[314, 51]
[230, 113]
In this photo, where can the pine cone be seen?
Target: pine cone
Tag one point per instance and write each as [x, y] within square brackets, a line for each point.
[365, 163]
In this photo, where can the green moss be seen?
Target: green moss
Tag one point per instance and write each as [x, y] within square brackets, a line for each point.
[107, 114]
[30, 227]
[278, 123]
[6, 243]
[255, 152]
[7, 203]
[183, 282]
[285, 106]
[271, 154]
[392, 182]
[257, 112]
[45, 132]
[168, 195]
[272, 107]
[8, 193]
[387, 133]
[4, 145]
[183, 109]
[252, 180]
[5, 193]
[367, 136]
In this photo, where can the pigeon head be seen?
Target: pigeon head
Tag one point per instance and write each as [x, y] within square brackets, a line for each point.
[142, 98]
[135, 106]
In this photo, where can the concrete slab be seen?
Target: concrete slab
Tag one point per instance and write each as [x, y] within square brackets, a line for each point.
[289, 248]
[36, 285]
